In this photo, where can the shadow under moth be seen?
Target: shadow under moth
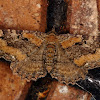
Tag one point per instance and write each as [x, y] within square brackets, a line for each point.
[66, 57]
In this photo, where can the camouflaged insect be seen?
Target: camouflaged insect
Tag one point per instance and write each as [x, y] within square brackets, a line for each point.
[66, 57]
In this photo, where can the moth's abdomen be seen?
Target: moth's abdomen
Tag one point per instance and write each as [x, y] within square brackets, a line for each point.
[50, 56]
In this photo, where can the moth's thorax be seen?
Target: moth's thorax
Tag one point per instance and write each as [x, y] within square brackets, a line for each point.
[50, 51]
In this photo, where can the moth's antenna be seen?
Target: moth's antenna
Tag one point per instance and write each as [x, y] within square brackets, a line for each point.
[53, 29]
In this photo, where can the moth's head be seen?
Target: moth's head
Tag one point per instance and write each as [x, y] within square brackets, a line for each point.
[51, 37]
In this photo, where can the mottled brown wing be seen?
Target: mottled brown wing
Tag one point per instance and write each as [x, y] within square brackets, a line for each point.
[65, 70]
[83, 51]
[32, 67]
[24, 49]
[76, 54]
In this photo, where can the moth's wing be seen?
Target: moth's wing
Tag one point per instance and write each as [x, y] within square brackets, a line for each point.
[32, 67]
[68, 40]
[82, 50]
[17, 45]
[65, 70]
[24, 50]
[63, 37]
[75, 56]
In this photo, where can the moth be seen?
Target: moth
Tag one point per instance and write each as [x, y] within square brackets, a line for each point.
[66, 57]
